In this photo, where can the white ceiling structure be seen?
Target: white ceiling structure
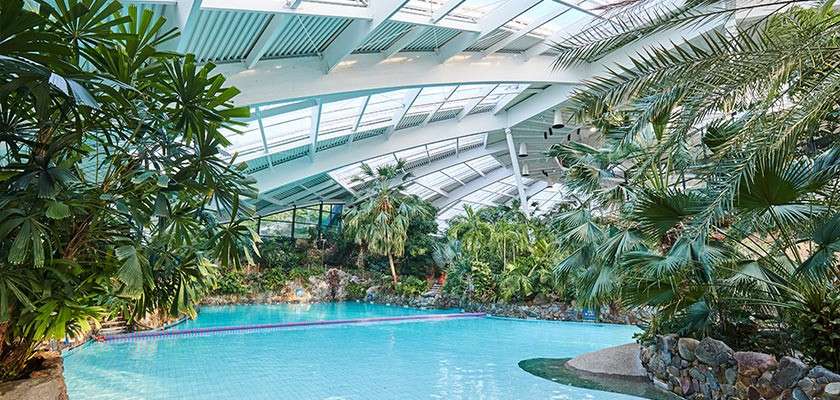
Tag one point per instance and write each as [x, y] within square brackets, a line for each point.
[438, 83]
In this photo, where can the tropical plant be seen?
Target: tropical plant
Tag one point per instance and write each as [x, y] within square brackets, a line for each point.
[712, 196]
[380, 222]
[111, 177]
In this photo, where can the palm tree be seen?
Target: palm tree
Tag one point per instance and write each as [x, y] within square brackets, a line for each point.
[380, 221]
[727, 154]
[471, 230]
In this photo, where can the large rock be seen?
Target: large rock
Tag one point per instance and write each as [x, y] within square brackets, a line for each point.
[666, 345]
[823, 375]
[619, 360]
[686, 348]
[752, 364]
[790, 371]
[832, 390]
[44, 384]
[714, 353]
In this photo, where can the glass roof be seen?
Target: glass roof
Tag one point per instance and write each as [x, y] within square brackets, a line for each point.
[284, 126]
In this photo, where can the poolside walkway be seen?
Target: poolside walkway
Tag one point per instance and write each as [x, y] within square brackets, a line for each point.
[621, 360]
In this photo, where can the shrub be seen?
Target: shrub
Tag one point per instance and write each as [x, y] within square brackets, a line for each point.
[355, 291]
[232, 282]
[274, 279]
[280, 253]
[411, 286]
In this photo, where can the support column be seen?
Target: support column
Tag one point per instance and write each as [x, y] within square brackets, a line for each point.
[517, 176]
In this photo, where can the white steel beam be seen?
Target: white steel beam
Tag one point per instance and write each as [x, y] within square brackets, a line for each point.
[445, 9]
[185, 18]
[267, 38]
[445, 99]
[314, 129]
[291, 79]
[358, 120]
[524, 31]
[517, 175]
[361, 150]
[469, 107]
[359, 31]
[406, 39]
[472, 186]
[283, 7]
[408, 101]
[489, 23]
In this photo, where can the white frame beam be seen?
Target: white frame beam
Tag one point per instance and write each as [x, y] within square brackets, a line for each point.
[186, 14]
[524, 31]
[489, 23]
[359, 31]
[517, 175]
[315, 129]
[445, 9]
[408, 101]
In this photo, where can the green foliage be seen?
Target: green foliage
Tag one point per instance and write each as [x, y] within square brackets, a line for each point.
[110, 168]
[380, 222]
[232, 282]
[814, 316]
[280, 253]
[712, 196]
[411, 286]
[355, 291]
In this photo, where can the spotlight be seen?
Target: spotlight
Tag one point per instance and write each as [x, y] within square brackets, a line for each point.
[523, 150]
[569, 137]
[525, 170]
[550, 131]
[578, 133]
[558, 120]
[545, 173]
[545, 135]
[593, 129]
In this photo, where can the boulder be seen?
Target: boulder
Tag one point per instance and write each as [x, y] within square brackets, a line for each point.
[666, 344]
[809, 386]
[686, 348]
[799, 394]
[46, 383]
[752, 364]
[832, 390]
[822, 375]
[714, 353]
[790, 371]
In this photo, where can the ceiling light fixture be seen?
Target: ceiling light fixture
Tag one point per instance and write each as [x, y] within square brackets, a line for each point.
[523, 150]
[558, 120]
[525, 170]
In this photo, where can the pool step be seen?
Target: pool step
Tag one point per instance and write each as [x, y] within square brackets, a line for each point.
[113, 327]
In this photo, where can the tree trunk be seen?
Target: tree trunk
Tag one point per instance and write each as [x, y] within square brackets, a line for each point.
[393, 269]
[14, 354]
[360, 258]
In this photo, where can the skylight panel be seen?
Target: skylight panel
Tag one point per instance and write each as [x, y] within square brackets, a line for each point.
[469, 141]
[442, 148]
[484, 164]
[419, 191]
[381, 109]
[248, 143]
[460, 172]
[502, 91]
[430, 99]
[288, 127]
[412, 155]
[436, 180]
[338, 117]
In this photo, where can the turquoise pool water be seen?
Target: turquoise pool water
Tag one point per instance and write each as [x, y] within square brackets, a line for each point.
[463, 359]
[214, 316]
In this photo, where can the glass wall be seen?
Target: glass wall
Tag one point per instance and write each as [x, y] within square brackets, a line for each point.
[310, 222]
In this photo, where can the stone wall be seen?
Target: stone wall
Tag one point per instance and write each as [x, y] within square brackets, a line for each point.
[709, 369]
[46, 383]
[549, 311]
